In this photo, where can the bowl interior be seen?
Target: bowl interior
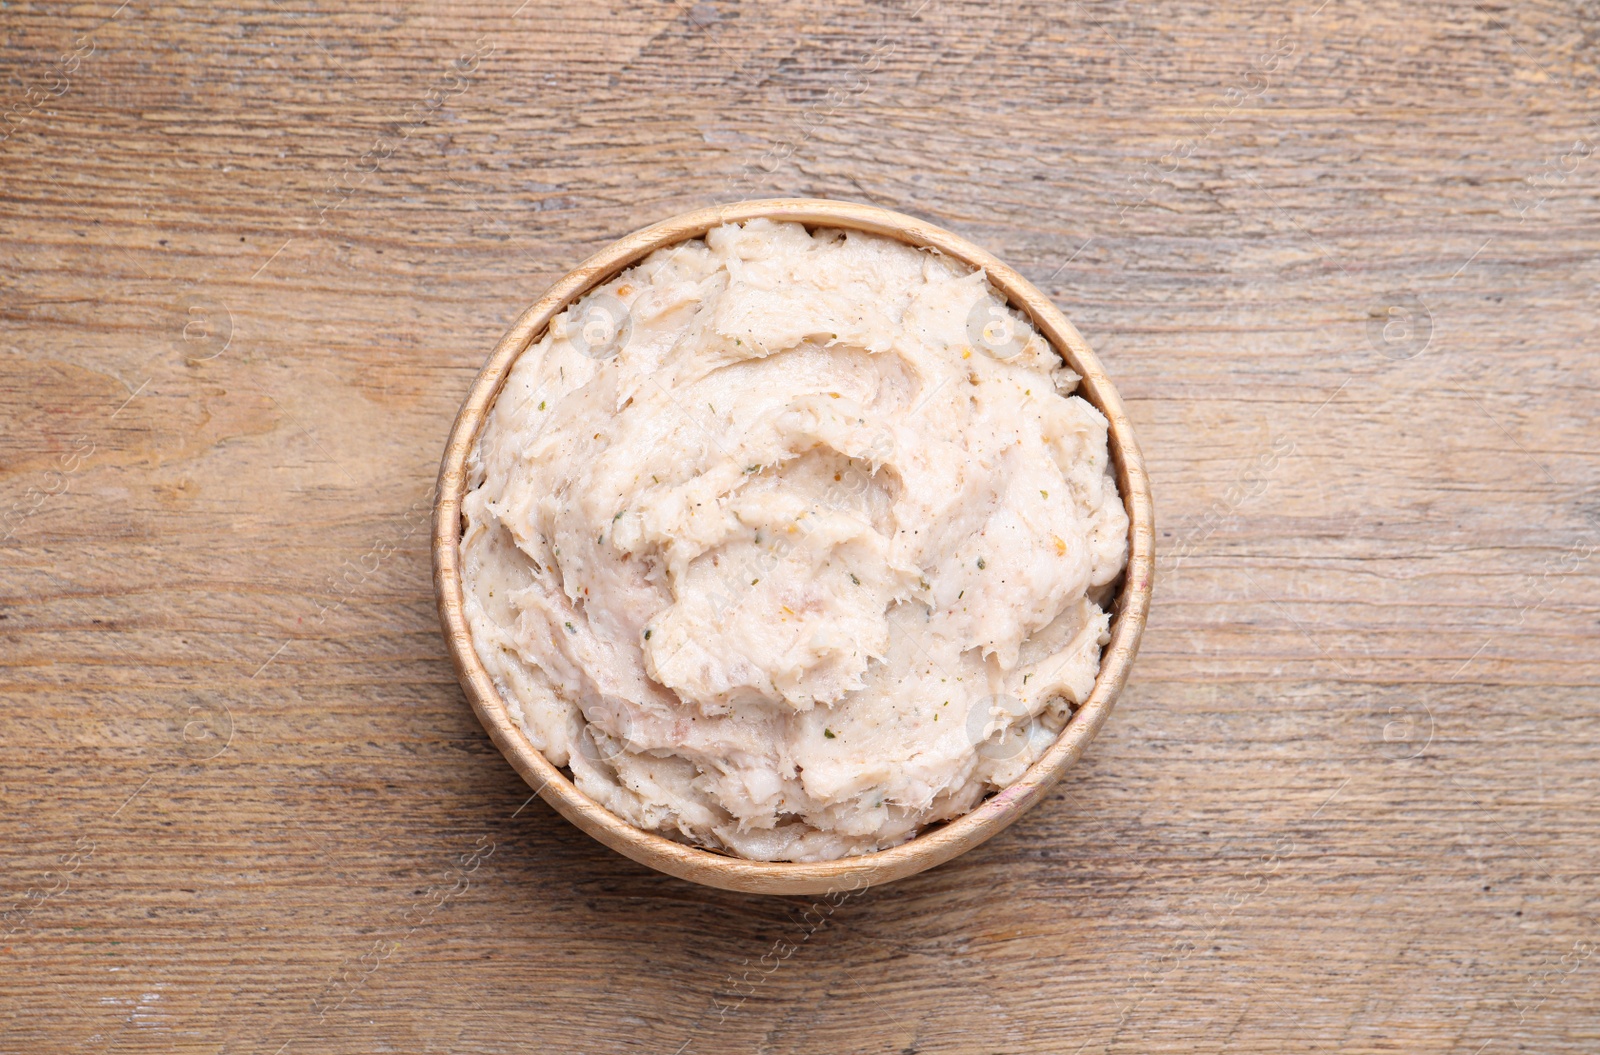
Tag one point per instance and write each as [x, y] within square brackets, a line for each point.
[934, 845]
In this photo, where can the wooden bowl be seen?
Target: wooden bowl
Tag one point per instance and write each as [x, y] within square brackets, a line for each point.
[934, 846]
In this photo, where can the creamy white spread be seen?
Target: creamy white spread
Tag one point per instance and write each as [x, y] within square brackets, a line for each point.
[790, 544]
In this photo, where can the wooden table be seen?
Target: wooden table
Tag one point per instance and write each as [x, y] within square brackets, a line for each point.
[1341, 260]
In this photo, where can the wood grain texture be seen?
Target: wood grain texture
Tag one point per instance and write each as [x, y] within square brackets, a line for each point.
[1341, 262]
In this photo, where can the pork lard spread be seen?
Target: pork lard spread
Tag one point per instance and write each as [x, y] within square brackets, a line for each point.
[791, 543]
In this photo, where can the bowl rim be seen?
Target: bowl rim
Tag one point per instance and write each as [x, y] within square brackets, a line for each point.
[935, 845]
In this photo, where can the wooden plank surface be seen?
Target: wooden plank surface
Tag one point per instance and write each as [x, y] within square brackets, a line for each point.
[1340, 259]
